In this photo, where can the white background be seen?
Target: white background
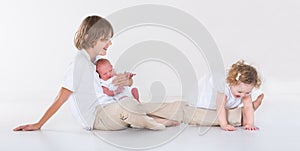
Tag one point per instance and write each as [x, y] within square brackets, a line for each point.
[36, 39]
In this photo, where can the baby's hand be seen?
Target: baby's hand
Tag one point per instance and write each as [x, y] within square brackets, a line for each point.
[250, 127]
[228, 127]
[119, 90]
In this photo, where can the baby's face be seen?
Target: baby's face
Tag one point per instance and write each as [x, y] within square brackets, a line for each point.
[241, 90]
[105, 71]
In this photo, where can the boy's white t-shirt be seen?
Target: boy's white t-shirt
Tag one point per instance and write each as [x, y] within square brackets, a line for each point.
[207, 95]
[82, 79]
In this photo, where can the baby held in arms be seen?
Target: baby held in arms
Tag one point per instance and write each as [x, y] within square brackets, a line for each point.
[106, 74]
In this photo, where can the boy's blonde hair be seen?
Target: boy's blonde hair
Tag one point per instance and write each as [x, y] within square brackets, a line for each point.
[91, 29]
[241, 72]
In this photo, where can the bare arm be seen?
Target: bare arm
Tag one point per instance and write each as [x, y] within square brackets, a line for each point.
[107, 91]
[222, 116]
[248, 114]
[61, 98]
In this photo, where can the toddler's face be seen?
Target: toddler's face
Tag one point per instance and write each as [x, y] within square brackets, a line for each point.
[241, 90]
[105, 71]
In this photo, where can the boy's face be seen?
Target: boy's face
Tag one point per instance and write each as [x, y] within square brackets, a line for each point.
[102, 45]
[241, 90]
[105, 71]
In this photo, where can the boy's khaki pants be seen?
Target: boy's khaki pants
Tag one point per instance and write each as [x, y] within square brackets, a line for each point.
[182, 112]
[120, 115]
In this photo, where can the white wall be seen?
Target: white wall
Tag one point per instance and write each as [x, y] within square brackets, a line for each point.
[36, 39]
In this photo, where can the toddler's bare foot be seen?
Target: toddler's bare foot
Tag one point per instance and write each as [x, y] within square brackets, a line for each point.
[258, 102]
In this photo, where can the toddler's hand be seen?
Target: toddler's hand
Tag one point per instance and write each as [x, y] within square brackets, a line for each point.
[250, 127]
[228, 127]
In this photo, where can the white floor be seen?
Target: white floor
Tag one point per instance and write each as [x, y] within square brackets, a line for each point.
[279, 130]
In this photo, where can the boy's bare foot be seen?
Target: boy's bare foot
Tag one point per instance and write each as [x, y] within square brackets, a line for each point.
[166, 122]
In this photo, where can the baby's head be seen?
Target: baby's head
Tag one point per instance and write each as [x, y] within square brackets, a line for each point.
[104, 69]
[242, 78]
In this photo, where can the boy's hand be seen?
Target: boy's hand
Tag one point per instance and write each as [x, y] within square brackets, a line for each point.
[122, 80]
[129, 75]
[228, 127]
[250, 127]
[28, 127]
